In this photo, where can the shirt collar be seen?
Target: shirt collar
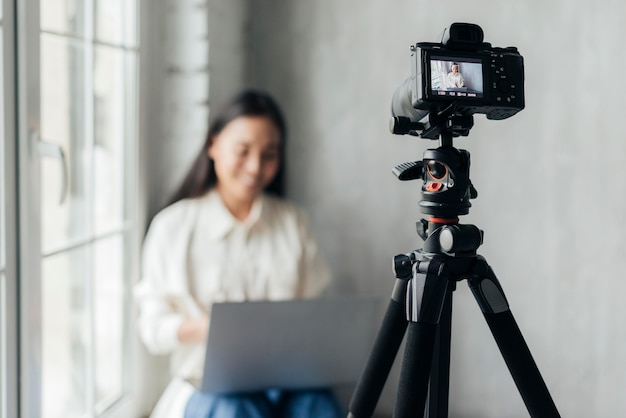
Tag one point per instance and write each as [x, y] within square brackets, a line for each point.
[217, 222]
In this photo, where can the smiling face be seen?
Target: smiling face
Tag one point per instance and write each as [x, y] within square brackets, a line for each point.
[246, 157]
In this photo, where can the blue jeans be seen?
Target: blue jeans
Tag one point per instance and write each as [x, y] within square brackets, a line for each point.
[315, 403]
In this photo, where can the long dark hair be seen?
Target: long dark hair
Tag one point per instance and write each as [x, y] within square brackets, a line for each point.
[201, 177]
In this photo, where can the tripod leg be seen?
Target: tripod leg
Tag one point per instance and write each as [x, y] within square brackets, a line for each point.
[425, 300]
[440, 374]
[386, 346]
[416, 366]
[515, 351]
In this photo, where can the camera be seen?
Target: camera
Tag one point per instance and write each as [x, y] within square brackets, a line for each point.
[459, 76]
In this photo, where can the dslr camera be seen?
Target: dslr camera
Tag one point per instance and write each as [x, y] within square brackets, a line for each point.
[457, 77]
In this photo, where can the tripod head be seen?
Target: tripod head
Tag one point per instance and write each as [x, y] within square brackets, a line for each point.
[447, 188]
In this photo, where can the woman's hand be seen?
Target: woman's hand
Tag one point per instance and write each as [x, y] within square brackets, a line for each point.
[193, 330]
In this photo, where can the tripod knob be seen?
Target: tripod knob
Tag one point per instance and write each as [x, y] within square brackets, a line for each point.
[403, 266]
[401, 125]
[455, 238]
[446, 239]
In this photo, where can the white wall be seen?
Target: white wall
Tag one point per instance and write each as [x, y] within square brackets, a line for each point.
[551, 180]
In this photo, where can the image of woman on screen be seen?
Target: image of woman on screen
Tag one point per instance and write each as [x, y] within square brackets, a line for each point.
[454, 78]
[228, 234]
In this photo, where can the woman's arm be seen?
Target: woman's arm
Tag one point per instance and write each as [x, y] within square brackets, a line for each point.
[168, 315]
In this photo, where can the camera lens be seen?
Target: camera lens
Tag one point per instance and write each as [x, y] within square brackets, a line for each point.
[436, 170]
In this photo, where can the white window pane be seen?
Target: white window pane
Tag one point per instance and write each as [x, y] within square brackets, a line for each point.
[131, 26]
[110, 140]
[63, 119]
[69, 334]
[116, 21]
[63, 16]
[66, 335]
[110, 319]
[130, 134]
[109, 21]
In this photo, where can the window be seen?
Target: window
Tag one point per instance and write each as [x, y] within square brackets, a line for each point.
[76, 230]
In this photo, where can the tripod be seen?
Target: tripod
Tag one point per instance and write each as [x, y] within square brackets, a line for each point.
[421, 301]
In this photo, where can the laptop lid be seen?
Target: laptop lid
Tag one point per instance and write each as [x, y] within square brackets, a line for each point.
[288, 344]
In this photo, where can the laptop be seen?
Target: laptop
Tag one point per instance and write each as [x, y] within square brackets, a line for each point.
[292, 344]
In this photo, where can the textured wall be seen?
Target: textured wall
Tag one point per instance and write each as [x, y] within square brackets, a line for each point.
[188, 44]
[551, 180]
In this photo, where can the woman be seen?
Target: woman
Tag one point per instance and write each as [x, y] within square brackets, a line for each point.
[455, 78]
[227, 235]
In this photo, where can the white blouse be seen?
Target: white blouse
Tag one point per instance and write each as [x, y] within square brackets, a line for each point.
[196, 253]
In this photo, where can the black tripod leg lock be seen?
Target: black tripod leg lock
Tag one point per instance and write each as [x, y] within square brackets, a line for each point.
[426, 292]
[487, 289]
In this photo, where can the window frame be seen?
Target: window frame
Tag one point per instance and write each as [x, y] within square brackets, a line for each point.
[21, 338]
[9, 339]
[29, 269]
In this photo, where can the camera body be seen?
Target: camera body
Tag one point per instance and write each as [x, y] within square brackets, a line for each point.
[462, 75]
[492, 80]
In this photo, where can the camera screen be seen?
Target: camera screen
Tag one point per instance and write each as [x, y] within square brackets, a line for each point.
[456, 77]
